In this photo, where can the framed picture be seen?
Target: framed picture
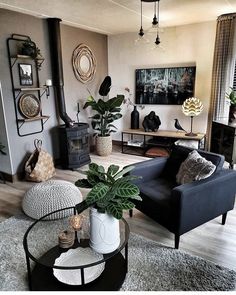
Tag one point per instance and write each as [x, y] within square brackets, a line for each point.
[26, 75]
[164, 85]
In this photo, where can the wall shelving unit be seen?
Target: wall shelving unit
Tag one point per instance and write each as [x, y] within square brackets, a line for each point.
[35, 91]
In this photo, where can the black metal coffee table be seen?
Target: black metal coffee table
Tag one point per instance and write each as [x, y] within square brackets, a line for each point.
[42, 252]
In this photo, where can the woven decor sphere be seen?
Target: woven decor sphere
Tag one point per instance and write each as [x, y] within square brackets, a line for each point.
[49, 196]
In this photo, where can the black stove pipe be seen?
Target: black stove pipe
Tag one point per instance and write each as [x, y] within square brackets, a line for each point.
[57, 68]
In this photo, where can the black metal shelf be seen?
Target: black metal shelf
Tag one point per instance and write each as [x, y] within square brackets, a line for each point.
[13, 45]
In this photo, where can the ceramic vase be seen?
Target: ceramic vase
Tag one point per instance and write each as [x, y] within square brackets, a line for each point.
[104, 232]
[135, 118]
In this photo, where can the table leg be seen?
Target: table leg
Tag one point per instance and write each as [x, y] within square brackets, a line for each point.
[29, 272]
[126, 257]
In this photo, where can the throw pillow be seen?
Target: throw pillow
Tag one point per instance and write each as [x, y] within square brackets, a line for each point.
[195, 167]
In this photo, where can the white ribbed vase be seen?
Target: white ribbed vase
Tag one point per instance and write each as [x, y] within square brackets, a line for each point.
[104, 145]
[104, 232]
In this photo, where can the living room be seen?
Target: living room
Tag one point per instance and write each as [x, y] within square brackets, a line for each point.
[110, 30]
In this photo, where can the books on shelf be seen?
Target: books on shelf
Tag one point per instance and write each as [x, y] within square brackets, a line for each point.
[135, 143]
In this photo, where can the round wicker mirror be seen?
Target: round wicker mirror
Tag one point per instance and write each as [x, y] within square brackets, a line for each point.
[84, 63]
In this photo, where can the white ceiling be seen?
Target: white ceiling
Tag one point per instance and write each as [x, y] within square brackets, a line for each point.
[120, 16]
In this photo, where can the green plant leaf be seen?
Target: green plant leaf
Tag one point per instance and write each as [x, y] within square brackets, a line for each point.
[126, 189]
[83, 183]
[101, 169]
[92, 178]
[93, 167]
[115, 110]
[89, 104]
[129, 178]
[111, 126]
[138, 198]
[115, 102]
[124, 171]
[115, 210]
[112, 170]
[96, 117]
[97, 193]
[126, 205]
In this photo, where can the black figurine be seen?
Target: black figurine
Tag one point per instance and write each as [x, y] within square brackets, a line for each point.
[178, 126]
[151, 122]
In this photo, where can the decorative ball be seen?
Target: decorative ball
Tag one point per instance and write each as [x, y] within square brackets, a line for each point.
[49, 196]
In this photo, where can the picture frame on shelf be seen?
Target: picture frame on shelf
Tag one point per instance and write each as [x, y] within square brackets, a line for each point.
[25, 74]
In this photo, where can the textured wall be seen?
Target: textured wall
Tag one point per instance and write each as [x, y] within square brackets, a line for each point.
[12, 22]
[183, 45]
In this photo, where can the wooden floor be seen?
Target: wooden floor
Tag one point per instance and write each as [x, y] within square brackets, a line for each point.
[211, 241]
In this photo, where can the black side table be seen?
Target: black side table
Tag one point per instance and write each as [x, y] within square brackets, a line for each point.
[40, 276]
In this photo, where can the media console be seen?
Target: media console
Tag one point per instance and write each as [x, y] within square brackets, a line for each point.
[137, 141]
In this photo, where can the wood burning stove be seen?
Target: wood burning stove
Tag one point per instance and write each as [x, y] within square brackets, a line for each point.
[73, 137]
[74, 145]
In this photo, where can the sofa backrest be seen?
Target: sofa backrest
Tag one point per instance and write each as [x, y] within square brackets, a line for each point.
[180, 153]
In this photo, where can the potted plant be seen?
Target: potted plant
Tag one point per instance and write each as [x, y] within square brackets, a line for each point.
[111, 193]
[107, 111]
[232, 110]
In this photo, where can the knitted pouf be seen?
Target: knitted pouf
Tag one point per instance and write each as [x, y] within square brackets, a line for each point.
[51, 195]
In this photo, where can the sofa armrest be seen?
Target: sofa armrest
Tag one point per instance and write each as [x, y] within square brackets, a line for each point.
[149, 169]
[200, 201]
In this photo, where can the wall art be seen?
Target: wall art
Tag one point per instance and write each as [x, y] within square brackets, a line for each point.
[171, 85]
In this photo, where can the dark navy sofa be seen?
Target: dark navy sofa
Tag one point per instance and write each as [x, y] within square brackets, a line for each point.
[181, 208]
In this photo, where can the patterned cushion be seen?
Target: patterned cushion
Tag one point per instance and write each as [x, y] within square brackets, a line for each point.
[49, 196]
[195, 167]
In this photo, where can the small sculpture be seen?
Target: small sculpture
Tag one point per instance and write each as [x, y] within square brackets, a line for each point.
[178, 126]
[151, 122]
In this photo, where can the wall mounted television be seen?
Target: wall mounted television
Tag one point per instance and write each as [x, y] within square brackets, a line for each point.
[171, 85]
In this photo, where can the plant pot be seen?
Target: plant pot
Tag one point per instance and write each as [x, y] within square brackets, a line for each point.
[104, 145]
[232, 114]
[104, 232]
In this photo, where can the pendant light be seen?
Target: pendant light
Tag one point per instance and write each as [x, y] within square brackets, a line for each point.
[155, 20]
[157, 41]
[155, 23]
[141, 38]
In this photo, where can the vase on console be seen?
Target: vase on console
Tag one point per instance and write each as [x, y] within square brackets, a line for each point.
[135, 118]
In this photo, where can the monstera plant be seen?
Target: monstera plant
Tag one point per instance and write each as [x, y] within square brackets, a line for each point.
[111, 193]
[106, 112]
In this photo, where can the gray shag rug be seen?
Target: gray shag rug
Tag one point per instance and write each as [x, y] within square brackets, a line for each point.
[152, 267]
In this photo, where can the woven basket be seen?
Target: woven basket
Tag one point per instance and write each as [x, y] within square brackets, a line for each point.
[104, 145]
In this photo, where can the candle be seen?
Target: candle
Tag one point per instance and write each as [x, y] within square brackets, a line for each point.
[75, 222]
[48, 82]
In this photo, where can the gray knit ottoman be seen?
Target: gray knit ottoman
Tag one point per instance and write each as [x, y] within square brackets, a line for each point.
[51, 195]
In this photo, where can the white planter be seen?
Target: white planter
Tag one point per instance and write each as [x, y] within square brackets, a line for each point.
[104, 145]
[104, 232]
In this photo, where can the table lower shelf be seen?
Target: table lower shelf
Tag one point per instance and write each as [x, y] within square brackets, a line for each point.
[111, 279]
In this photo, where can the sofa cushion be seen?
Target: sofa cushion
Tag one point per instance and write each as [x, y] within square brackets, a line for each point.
[179, 155]
[195, 167]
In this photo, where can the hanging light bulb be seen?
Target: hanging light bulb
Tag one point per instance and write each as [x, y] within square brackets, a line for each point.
[157, 41]
[141, 38]
[141, 32]
[155, 20]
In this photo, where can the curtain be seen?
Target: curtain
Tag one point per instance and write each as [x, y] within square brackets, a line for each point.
[223, 69]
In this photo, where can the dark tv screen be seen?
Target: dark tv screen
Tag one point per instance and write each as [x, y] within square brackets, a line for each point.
[164, 85]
